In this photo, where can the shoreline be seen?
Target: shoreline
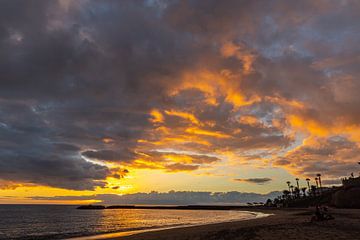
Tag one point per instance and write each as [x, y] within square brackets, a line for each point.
[257, 213]
[287, 224]
[283, 224]
[173, 207]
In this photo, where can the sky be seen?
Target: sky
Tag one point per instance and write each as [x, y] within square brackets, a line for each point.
[109, 98]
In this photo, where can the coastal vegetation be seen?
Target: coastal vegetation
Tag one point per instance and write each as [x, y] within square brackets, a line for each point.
[346, 195]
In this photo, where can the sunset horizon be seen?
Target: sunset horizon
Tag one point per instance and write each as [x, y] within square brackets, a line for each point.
[179, 119]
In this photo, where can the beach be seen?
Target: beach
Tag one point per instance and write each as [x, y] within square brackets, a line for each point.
[283, 224]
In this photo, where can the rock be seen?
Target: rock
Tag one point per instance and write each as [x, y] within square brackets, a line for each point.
[91, 207]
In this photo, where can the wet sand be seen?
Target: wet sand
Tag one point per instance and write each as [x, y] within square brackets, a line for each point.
[284, 224]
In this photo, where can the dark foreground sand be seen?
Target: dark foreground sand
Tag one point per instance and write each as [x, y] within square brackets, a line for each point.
[289, 224]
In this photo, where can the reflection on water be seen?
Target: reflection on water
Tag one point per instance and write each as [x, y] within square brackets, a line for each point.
[56, 222]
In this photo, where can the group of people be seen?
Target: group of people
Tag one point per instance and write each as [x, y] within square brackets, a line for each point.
[321, 214]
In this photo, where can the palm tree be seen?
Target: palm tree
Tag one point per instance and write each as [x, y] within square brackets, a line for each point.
[292, 189]
[313, 190]
[308, 183]
[297, 183]
[288, 183]
[297, 192]
[319, 177]
[269, 203]
[316, 180]
[304, 191]
[286, 194]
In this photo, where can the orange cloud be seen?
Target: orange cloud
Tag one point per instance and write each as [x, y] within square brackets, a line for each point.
[173, 162]
[315, 127]
[198, 131]
[185, 115]
[156, 116]
[215, 85]
[308, 125]
[108, 140]
[248, 119]
[331, 156]
[230, 49]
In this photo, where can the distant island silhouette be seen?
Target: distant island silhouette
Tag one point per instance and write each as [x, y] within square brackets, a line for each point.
[345, 196]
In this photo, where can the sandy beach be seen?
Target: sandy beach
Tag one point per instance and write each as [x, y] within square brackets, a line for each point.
[284, 224]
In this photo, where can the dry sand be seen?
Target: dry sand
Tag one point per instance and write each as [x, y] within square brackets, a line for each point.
[285, 224]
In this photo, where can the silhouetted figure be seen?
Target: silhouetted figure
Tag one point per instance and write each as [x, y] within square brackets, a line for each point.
[318, 213]
[326, 214]
[321, 214]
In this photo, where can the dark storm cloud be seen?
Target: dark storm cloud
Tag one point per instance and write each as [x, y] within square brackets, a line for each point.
[254, 180]
[29, 154]
[79, 78]
[74, 73]
[62, 86]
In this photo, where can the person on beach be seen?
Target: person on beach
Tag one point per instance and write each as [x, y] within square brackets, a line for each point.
[326, 214]
[321, 214]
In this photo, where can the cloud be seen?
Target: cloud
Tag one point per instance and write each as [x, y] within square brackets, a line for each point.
[172, 198]
[175, 75]
[181, 167]
[28, 157]
[254, 180]
[331, 182]
[9, 185]
[332, 157]
[173, 162]
[123, 155]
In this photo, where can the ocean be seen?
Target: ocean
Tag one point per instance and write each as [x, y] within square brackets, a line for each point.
[65, 221]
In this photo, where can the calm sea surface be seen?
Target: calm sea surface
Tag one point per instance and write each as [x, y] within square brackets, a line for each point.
[59, 222]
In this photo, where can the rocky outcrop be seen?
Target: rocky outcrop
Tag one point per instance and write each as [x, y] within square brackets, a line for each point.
[86, 207]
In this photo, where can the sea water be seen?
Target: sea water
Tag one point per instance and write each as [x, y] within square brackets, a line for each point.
[64, 221]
